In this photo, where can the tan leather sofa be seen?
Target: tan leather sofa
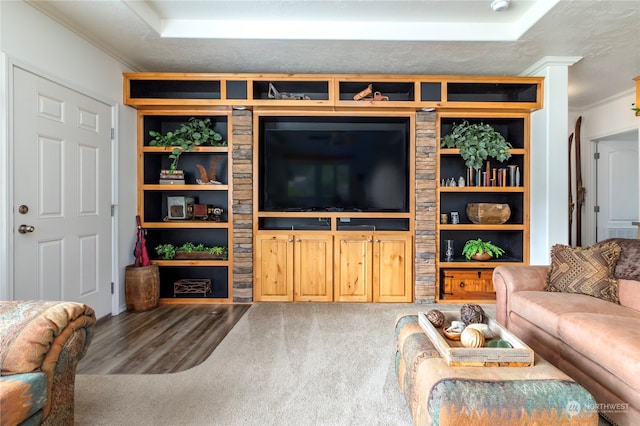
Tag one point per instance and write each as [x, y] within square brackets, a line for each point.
[596, 342]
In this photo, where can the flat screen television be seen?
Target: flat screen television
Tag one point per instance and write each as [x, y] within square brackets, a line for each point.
[321, 163]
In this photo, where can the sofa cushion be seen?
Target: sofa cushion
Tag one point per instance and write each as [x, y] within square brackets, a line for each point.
[629, 293]
[628, 267]
[544, 309]
[608, 340]
[585, 270]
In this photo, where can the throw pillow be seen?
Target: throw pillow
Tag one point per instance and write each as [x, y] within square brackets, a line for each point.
[628, 267]
[585, 270]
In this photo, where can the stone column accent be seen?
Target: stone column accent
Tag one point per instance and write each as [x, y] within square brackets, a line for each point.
[425, 223]
[242, 205]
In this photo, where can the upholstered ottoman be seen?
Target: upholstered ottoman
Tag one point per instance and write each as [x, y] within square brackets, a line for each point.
[441, 395]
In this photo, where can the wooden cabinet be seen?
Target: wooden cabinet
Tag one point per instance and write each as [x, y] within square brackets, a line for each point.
[513, 235]
[294, 267]
[465, 284]
[374, 267]
[182, 212]
[312, 267]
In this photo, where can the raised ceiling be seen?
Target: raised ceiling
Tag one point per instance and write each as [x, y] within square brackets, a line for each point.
[455, 37]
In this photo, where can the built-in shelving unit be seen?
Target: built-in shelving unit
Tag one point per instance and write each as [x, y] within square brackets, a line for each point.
[327, 253]
[461, 279]
[154, 199]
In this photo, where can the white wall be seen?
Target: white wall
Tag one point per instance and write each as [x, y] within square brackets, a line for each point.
[549, 179]
[609, 117]
[32, 40]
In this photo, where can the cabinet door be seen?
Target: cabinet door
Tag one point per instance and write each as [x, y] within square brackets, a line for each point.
[392, 274]
[274, 268]
[313, 268]
[354, 268]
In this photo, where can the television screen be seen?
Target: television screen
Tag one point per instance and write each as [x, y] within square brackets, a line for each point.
[334, 164]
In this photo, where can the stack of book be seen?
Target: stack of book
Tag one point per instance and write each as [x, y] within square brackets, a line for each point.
[169, 177]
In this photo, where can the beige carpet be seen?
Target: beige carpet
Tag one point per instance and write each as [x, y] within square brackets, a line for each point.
[282, 364]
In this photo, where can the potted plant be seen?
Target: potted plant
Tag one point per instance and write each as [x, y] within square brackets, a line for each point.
[191, 251]
[477, 142]
[481, 250]
[195, 132]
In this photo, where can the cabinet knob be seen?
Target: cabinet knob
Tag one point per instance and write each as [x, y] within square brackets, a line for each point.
[461, 284]
[298, 240]
[377, 241]
[290, 240]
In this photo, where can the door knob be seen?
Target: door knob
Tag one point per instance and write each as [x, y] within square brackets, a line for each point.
[24, 229]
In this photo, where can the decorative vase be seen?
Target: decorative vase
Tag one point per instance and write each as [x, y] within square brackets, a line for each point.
[484, 256]
[488, 213]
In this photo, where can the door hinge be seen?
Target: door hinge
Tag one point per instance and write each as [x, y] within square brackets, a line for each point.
[596, 209]
[112, 288]
[113, 210]
[596, 156]
[113, 133]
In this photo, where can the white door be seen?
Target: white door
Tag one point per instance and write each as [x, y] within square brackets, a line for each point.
[617, 188]
[62, 194]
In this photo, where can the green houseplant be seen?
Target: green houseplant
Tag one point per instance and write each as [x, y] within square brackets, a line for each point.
[477, 142]
[195, 132]
[191, 251]
[481, 250]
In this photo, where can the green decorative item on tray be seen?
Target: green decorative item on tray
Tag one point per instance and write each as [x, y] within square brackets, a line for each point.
[191, 251]
[477, 142]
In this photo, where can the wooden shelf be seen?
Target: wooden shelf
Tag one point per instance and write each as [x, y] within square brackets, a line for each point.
[193, 262]
[191, 224]
[186, 187]
[332, 90]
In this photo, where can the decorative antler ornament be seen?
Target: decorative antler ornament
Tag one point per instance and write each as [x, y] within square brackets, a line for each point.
[212, 169]
[203, 175]
[209, 178]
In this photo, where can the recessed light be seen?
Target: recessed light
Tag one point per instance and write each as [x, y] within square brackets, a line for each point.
[500, 5]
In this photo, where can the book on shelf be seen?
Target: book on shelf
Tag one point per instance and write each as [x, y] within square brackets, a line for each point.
[171, 182]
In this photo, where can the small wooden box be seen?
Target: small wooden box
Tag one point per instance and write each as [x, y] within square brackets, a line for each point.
[520, 355]
[468, 284]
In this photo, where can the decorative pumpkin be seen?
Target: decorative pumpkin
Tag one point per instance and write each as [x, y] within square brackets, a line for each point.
[472, 314]
[472, 338]
[436, 318]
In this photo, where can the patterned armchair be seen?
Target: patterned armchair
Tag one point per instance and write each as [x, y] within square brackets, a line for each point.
[41, 343]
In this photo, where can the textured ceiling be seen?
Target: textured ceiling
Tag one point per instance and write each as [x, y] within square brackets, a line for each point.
[405, 37]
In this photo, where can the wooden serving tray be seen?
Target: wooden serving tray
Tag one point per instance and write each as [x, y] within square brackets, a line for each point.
[457, 355]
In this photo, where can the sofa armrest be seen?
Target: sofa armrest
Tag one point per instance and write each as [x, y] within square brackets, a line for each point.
[48, 337]
[510, 279]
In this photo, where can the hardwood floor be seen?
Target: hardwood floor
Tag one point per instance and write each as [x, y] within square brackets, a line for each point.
[167, 339]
